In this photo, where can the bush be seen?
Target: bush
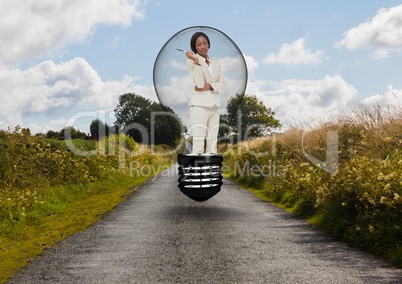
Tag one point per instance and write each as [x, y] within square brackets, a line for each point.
[32, 167]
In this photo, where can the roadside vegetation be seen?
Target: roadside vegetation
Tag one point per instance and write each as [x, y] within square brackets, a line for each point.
[361, 202]
[49, 190]
[54, 185]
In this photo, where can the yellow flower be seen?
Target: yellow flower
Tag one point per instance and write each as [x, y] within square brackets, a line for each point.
[371, 228]
[390, 176]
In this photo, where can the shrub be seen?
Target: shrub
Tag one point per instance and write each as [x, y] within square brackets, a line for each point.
[32, 167]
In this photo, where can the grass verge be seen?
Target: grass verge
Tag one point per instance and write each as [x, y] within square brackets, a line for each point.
[392, 253]
[71, 210]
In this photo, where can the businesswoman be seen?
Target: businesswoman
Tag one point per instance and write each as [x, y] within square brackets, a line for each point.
[204, 103]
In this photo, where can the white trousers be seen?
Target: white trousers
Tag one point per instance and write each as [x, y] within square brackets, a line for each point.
[204, 126]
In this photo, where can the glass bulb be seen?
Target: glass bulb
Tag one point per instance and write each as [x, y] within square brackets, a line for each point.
[200, 175]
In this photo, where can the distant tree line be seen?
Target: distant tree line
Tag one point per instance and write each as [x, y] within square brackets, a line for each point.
[143, 120]
[98, 129]
[150, 122]
[74, 134]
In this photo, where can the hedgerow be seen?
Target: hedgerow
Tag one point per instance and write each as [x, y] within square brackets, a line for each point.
[32, 167]
[361, 202]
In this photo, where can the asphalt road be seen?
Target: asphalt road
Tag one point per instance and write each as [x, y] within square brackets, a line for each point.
[159, 235]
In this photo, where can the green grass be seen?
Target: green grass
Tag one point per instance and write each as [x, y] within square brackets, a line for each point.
[68, 210]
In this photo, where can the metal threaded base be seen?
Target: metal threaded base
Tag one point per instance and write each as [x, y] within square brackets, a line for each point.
[200, 176]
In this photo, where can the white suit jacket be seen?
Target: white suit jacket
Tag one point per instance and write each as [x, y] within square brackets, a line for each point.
[201, 75]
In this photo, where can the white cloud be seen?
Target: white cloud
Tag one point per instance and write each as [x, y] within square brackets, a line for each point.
[383, 32]
[49, 89]
[391, 98]
[300, 101]
[175, 65]
[252, 64]
[295, 54]
[54, 125]
[33, 28]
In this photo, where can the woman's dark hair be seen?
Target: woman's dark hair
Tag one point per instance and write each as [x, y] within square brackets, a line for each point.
[194, 39]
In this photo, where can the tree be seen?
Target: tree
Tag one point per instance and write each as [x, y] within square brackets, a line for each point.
[167, 126]
[71, 133]
[54, 135]
[131, 109]
[249, 117]
[98, 129]
[145, 120]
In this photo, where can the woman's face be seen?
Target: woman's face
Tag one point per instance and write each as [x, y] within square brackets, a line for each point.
[202, 46]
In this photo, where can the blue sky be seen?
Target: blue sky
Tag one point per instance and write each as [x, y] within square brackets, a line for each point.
[64, 62]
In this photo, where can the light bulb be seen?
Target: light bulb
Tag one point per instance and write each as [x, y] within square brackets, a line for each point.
[175, 80]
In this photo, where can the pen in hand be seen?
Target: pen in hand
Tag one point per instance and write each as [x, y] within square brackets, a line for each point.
[192, 56]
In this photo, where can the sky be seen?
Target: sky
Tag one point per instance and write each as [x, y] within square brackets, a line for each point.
[66, 62]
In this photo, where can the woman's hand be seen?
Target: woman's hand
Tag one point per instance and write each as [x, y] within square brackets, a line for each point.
[192, 56]
[206, 87]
